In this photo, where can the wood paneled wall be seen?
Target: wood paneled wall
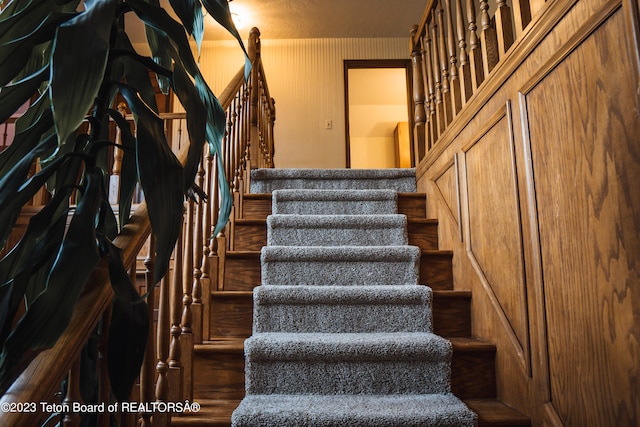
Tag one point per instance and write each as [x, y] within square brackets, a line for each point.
[537, 189]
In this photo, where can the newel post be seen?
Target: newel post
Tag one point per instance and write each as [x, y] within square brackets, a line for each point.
[419, 114]
[253, 50]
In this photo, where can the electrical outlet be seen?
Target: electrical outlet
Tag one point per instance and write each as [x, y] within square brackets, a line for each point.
[328, 124]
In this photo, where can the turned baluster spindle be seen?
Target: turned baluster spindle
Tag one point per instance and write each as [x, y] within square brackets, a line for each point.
[187, 299]
[444, 66]
[488, 39]
[454, 87]
[440, 115]
[466, 87]
[160, 419]
[175, 304]
[475, 50]
[71, 418]
[504, 27]
[521, 15]
[205, 265]
[196, 286]
[419, 114]
[147, 373]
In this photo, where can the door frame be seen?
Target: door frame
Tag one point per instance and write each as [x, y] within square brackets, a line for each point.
[377, 63]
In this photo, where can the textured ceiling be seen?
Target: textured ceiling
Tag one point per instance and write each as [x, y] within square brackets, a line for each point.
[299, 19]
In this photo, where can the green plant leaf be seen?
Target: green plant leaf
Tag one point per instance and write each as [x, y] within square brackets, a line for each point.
[129, 327]
[196, 120]
[78, 63]
[190, 13]
[219, 10]
[161, 177]
[128, 172]
[51, 311]
[14, 96]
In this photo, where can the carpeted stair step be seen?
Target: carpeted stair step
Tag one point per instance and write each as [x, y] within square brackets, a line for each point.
[340, 265]
[268, 180]
[334, 202]
[364, 363]
[342, 309]
[353, 411]
[336, 230]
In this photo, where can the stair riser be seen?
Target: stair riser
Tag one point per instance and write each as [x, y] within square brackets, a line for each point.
[219, 375]
[232, 317]
[475, 374]
[335, 207]
[423, 235]
[336, 273]
[330, 235]
[472, 374]
[342, 319]
[249, 236]
[301, 377]
[243, 274]
[259, 206]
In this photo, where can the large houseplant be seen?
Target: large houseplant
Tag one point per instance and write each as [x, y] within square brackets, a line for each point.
[71, 58]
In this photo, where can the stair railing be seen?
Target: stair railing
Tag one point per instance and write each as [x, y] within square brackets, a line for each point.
[454, 50]
[177, 308]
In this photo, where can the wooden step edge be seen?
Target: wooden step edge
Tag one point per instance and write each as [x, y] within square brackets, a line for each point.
[257, 196]
[464, 344]
[412, 195]
[216, 294]
[450, 293]
[220, 345]
[242, 254]
[432, 221]
[437, 252]
[251, 221]
[495, 413]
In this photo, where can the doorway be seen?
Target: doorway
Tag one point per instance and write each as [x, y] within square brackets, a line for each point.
[378, 114]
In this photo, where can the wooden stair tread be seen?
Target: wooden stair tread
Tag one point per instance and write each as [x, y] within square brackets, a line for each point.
[220, 345]
[495, 413]
[463, 344]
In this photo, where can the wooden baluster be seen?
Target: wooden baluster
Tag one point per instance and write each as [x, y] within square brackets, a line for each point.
[475, 50]
[196, 287]
[466, 86]
[440, 115]
[118, 154]
[175, 345]
[186, 337]
[504, 27]
[419, 114]
[433, 122]
[161, 419]
[521, 15]
[147, 373]
[205, 264]
[72, 419]
[488, 38]
[444, 66]
[454, 87]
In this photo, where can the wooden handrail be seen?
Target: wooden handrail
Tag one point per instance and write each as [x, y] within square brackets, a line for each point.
[42, 379]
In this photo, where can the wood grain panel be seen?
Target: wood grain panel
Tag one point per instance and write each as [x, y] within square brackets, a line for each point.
[584, 130]
[447, 186]
[494, 242]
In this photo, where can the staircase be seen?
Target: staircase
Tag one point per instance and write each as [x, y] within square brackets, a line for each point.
[219, 363]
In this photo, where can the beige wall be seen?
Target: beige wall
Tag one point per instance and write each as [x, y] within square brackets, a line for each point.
[306, 79]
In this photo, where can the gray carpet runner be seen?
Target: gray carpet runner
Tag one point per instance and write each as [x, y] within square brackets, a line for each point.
[342, 332]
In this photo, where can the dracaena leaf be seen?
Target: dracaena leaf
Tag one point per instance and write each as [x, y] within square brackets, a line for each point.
[161, 177]
[78, 63]
[14, 96]
[128, 172]
[190, 13]
[49, 314]
[129, 327]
